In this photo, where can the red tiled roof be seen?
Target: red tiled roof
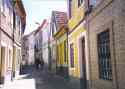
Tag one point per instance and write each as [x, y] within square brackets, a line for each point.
[60, 18]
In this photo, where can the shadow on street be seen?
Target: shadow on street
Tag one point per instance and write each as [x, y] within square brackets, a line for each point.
[44, 79]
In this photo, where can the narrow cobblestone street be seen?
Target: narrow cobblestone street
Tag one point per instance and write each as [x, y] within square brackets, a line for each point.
[37, 79]
[62, 44]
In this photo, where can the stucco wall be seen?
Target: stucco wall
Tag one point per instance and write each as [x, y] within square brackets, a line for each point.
[109, 16]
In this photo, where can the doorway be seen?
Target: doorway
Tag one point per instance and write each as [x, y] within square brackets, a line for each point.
[2, 65]
[83, 79]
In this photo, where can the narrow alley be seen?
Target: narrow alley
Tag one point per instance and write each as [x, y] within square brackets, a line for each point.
[37, 79]
[62, 44]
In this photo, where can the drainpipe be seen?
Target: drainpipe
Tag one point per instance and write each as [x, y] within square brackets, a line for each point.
[67, 51]
[88, 39]
[49, 48]
[49, 53]
[13, 61]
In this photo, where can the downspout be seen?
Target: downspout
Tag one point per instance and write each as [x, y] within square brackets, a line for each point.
[67, 51]
[89, 58]
[13, 61]
[49, 49]
[87, 13]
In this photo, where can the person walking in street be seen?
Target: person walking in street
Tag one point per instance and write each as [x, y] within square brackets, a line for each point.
[37, 63]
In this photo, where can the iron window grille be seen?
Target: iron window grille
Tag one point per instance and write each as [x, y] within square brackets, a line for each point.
[105, 70]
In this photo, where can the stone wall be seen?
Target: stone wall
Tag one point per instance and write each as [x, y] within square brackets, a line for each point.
[110, 15]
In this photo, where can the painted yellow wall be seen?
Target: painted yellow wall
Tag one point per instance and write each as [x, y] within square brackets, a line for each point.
[61, 37]
[3, 58]
[61, 55]
[75, 72]
[77, 16]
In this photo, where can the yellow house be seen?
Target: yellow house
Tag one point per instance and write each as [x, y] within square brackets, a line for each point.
[77, 44]
[62, 51]
[60, 34]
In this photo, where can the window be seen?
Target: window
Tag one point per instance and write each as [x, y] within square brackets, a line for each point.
[14, 20]
[93, 2]
[105, 71]
[3, 5]
[80, 2]
[65, 50]
[17, 21]
[70, 8]
[71, 55]
[54, 28]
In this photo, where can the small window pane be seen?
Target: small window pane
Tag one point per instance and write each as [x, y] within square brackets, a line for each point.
[71, 55]
[65, 51]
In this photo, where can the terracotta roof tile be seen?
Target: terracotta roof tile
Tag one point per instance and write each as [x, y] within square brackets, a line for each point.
[60, 18]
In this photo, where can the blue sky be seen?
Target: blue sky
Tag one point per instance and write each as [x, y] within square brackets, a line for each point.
[37, 10]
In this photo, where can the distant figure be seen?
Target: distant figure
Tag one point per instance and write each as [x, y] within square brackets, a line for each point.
[37, 63]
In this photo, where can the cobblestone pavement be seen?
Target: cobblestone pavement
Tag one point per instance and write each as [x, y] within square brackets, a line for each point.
[38, 79]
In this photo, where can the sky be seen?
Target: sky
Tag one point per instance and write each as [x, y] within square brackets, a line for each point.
[38, 10]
